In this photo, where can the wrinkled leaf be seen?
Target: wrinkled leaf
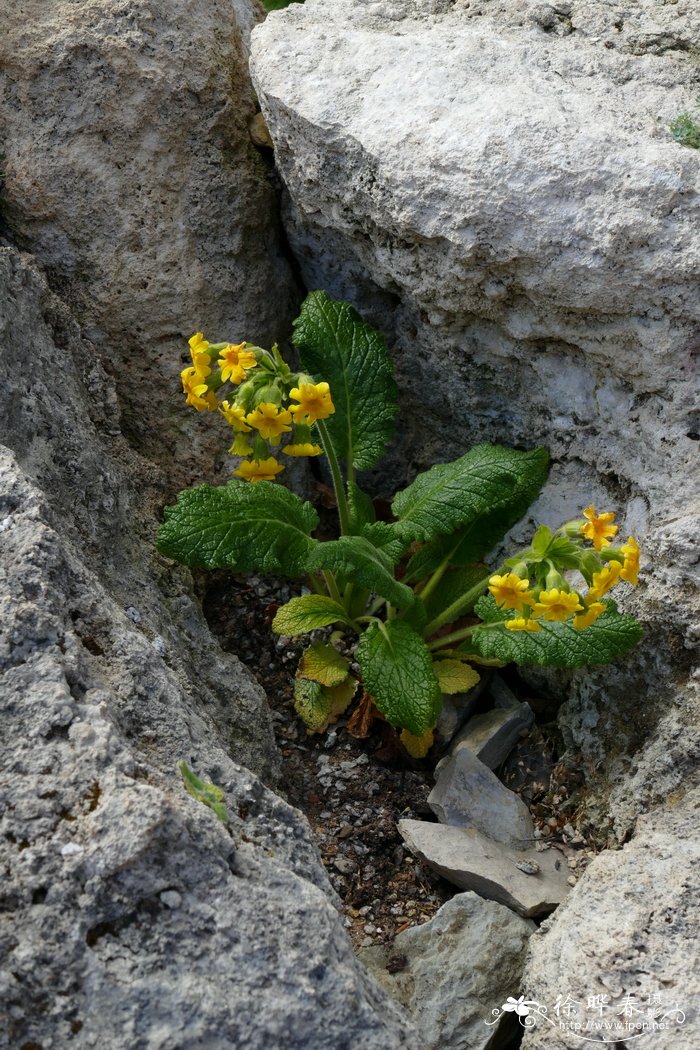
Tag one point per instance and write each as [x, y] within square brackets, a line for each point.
[417, 746]
[361, 508]
[262, 527]
[337, 346]
[454, 676]
[323, 664]
[483, 493]
[355, 558]
[301, 615]
[397, 670]
[318, 706]
[556, 644]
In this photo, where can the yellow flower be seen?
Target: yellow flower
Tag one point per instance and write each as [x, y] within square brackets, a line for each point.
[198, 352]
[235, 415]
[306, 449]
[510, 591]
[233, 361]
[259, 469]
[557, 606]
[604, 580]
[630, 568]
[585, 619]
[598, 529]
[198, 394]
[270, 421]
[314, 402]
[241, 446]
[523, 625]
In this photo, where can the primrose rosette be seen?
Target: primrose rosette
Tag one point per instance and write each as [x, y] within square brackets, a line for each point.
[410, 601]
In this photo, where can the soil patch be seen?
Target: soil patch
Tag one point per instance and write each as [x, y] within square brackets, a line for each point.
[353, 792]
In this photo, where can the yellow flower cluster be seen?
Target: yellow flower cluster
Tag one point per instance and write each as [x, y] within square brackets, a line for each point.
[558, 604]
[258, 414]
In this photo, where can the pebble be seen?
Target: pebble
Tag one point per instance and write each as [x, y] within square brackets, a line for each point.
[529, 867]
[133, 614]
[344, 865]
[572, 880]
[158, 644]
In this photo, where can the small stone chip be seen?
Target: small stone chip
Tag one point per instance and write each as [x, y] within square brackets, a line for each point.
[529, 867]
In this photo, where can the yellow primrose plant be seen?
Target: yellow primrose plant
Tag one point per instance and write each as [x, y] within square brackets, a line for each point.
[411, 599]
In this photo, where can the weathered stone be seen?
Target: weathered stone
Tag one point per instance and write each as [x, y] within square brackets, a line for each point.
[492, 735]
[474, 862]
[130, 173]
[122, 898]
[500, 188]
[629, 928]
[451, 972]
[502, 695]
[468, 795]
[456, 709]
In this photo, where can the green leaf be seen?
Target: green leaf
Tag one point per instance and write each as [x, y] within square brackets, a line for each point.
[318, 706]
[208, 794]
[483, 493]
[337, 346]
[454, 676]
[262, 527]
[397, 670]
[312, 703]
[278, 5]
[361, 508]
[388, 537]
[301, 615]
[556, 644]
[324, 664]
[358, 560]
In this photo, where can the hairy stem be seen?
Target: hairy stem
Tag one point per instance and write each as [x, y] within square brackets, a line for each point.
[338, 486]
[458, 606]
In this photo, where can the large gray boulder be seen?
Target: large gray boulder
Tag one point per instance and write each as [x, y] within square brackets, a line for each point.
[625, 945]
[130, 174]
[496, 185]
[129, 915]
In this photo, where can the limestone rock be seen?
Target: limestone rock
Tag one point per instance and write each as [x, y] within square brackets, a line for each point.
[451, 972]
[474, 862]
[496, 184]
[129, 172]
[468, 795]
[122, 898]
[492, 735]
[629, 928]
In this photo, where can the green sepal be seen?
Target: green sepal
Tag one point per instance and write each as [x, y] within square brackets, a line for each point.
[469, 504]
[304, 614]
[358, 560]
[208, 794]
[262, 528]
[555, 644]
[397, 670]
[337, 346]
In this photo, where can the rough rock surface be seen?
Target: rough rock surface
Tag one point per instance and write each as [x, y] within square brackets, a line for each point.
[130, 917]
[468, 795]
[635, 925]
[496, 186]
[130, 173]
[491, 736]
[528, 881]
[472, 945]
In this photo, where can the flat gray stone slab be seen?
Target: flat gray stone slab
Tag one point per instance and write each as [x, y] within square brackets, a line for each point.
[468, 795]
[473, 862]
[493, 735]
